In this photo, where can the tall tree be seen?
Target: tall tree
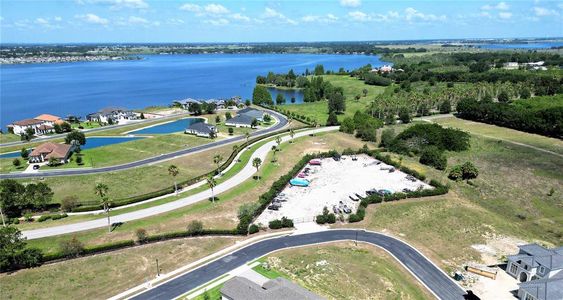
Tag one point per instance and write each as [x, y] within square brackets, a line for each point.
[101, 189]
[217, 159]
[291, 134]
[212, 184]
[257, 162]
[174, 171]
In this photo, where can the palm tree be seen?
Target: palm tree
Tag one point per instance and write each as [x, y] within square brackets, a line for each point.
[291, 134]
[101, 189]
[217, 159]
[278, 141]
[256, 162]
[212, 184]
[247, 136]
[274, 149]
[174, 171]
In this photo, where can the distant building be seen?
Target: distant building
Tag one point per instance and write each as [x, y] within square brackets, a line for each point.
[240, 288]
[240, 121]
[112, 115]
[201, 129]
[383, 69]
[45, 152]
[40, 125]
[231, 103]
[540, 271]
[511, 65]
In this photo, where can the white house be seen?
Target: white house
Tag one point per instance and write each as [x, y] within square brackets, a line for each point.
[47, 151]
[201, 129]
[253, 113]
[539, 270]
[240, 121]
[41, 124]
[117, 116]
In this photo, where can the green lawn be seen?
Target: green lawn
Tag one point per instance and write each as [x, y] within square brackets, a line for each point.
[9, 137]
[319, 111]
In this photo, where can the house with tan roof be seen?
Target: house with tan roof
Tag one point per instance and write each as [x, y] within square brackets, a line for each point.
[46, 151]
[40, 125]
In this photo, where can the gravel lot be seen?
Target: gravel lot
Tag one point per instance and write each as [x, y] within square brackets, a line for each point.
[335, 181]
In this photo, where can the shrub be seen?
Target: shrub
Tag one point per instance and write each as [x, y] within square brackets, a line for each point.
[253, 229]
[387, 137]
[43, 218]
[320, 219]
[68, 203]
[79, 160]
[275, 224]
[456, 173]
[331, 218]
[72, 247]
[231, 131]
[469, 171]
[195, 227]
[16, 162]
[141, 235]
[404, 115]
[287, 223]
[432, 156]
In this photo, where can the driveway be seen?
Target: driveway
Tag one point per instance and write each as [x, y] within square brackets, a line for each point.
[421, 267]
[247, 172]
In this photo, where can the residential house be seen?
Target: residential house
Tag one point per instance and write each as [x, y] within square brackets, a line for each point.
[201, 129]
[540, 271]
[112, 115]
[40, 125]
[511, 65]
[240, 288]
[240, 121]
[254, 113]
[186, 103]
[47, 151]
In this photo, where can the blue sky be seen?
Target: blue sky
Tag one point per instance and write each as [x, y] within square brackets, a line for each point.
[48, 21]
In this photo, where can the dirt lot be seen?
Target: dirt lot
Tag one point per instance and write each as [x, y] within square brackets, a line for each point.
[333, 182]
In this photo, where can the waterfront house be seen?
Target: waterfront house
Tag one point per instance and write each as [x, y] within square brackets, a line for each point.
[539, 269]
[201, 129]
[41, 124]
[186, 103]
[240, 121]
[112, 115]
[49, 119]
[47, 151]
[240, 288]
[253, 113]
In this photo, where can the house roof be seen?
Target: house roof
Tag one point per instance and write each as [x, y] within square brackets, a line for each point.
[275, 289]
[51, 150]
[255, 113]
[27, 122]
[45, 127]
[241, 119]
[535, 249]
[545, 288]
[47, 117]
[202, 127]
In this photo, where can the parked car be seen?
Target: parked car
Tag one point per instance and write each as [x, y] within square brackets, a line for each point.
[353, 199]
[407, 190]
[335, 209]
[373, 192]
[273, 207]
[347, 209]
[36, 167]
[385, 192]
[411, 178]
[354, 158]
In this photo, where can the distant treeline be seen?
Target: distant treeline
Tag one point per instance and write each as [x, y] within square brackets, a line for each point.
[545, 121]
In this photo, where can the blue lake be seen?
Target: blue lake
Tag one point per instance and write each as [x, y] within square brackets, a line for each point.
[85, 87]
[176, 126]
[287, 94]
[91, 143]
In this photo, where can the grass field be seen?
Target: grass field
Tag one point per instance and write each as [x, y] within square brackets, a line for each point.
[345, 271]
[105, 275]
[219, 215]
[319, 111]
[9, 137]
[509, 198]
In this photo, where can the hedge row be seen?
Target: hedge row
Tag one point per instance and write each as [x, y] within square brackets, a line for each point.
[93, 205]
[301, 118]
[181, 234]
[91, 250]
[51, 217]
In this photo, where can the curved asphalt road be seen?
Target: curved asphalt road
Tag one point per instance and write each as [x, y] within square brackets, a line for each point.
[282, 121]
[424, 270]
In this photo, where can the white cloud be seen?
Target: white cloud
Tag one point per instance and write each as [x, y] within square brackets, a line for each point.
[137, 20]
[328, 18]
[216, 9]
[543, 12]
[41, 21]
[499, 6]
[412, 14]
[174, 21]
[191, 7]
[118, 4]
[92, 19]
[351, 3]
[240, 17]
[505, 15]
[270, 13]
[359, 16]
[217, 22]
[58, 19]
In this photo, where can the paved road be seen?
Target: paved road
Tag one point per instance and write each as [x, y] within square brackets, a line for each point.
[62, 135]
[425, 271]
[247, 172]
[282, 122]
